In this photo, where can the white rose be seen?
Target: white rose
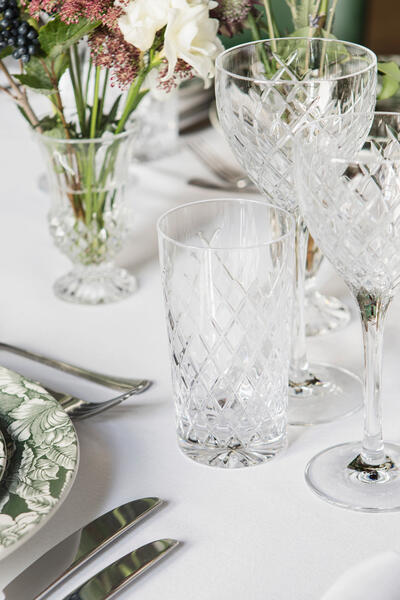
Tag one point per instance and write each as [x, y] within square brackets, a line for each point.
[191, 35]
[141, 21]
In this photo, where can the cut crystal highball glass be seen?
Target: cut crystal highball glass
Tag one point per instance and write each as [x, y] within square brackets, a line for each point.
[227, 273]
[265, 92]
[351, 203]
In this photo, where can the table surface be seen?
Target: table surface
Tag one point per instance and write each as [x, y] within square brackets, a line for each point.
[258, 532]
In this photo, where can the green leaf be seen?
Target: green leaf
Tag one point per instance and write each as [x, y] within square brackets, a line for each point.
[6, 52]
[53, 127]
[38, 70]
[41, 85]
[23, 113]
[391, 69]
[60, 65]
[113, 112]
[305, 32]
[55, 37]
[301, 11]
[389, 87]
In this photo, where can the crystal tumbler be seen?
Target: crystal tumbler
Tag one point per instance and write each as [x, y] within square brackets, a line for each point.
[227, 273]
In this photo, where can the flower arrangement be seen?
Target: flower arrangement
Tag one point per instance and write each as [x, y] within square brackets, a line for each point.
[112, 53]
[134, 45]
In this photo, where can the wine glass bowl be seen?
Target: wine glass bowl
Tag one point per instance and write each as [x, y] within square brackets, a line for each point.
[351, 203]
[266, 91]
[260, 112]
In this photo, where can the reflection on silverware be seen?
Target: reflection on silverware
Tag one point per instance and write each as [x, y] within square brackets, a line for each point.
[219, 166]
[64, 559]
[224, 187]
[78, 409]
[119, 574]
[135, 386]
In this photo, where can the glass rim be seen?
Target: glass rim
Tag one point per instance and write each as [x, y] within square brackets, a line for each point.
[73, 141]
[163, 235]
[352, 160]
[367, 51]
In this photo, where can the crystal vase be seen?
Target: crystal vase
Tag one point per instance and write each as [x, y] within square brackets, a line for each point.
[89, 217]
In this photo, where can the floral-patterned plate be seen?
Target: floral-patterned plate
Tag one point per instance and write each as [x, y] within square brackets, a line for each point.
[42, 458]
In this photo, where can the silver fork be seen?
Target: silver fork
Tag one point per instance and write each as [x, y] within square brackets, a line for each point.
[218, 165]
[78, 409]
[134, 386]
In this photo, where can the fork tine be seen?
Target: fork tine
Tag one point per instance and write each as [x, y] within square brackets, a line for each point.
[85, 411]
[79, 409]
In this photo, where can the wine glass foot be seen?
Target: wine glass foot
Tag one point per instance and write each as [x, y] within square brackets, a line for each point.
[339, 476]
[329, 393]
[324, 314]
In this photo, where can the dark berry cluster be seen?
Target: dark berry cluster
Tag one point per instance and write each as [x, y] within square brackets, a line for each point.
[16, 33]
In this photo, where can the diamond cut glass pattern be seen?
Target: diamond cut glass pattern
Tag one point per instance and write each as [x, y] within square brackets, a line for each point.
[266, 92]
[260, 116]
[352, 205]
[227, 269]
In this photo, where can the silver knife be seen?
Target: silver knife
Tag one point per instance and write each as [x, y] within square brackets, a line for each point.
[111, 580]
[66, 557]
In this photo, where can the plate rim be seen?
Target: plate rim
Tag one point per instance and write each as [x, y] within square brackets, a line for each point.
[4, 448]
[5, 551]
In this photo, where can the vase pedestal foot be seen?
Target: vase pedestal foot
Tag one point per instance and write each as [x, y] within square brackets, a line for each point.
[97, 284]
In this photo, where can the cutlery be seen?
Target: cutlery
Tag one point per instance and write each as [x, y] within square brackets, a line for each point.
[77, 549]
[78, 409]
[223, 187]
[203, 122]
[217, 165]
[119, 383]
[114, 578]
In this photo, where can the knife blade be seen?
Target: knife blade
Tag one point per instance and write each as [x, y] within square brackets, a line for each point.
[69, 555]
[111, 580]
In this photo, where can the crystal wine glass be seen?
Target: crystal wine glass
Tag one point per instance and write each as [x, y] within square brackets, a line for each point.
[352, 207]
[265, 91]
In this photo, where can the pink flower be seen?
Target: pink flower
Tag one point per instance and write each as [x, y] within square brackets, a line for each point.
[110, 50]
[232, 14]
[70, 11]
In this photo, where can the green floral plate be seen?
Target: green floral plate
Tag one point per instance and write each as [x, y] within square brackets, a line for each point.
[3, 455]
[41, 459]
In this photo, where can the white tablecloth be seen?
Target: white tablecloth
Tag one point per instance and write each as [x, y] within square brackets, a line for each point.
[256, 533]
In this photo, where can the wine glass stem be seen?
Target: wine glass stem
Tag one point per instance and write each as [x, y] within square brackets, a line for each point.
[299, 371]
[373, 312]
